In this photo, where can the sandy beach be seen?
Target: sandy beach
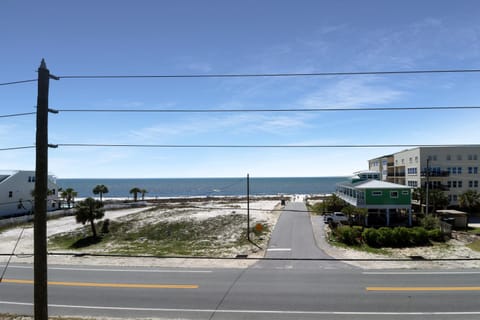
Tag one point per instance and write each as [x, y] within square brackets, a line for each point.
[261, 211]
[265, 211]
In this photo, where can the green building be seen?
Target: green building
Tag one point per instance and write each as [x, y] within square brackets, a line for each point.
[388, 204]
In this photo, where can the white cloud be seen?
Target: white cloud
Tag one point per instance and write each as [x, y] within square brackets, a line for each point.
[352, 93]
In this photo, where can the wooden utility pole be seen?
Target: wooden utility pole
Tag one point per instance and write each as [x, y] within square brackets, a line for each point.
[248, 207]
[40, 293]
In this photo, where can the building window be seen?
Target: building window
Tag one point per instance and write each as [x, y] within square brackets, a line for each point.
[475, 157]
[475, 184]
[470, 157]
[454, 197]
[454, 184]
[449, 184]
[459, 157]
[413, 184]
[459, 184]
[470, 170]
[377, 193]
[393, 194]
[10, 194]
[454, 170]
[459, 170]
[449, 157]
[475, 170]
[470, 184]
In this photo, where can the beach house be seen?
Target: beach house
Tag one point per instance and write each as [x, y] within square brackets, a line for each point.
[387, 203]
[16, 193]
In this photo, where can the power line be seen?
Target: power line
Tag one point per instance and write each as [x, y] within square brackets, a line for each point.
[251, 75]
[17, 148]
[17, 82]
[17, 114]
[340, 109]
[257, 146]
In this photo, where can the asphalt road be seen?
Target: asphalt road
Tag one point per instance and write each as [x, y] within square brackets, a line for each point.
[266, 290]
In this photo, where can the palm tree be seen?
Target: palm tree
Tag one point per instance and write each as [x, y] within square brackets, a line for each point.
[135, 191]
[100, 189]
[334, 203]
[143, 191]
[469, 200]
[90, 210]
[69, 195]
[438, 199]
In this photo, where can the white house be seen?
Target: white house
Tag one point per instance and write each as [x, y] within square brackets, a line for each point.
[16, 192]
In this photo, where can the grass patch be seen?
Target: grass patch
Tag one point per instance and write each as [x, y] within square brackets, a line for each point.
[214, 236]
[475, 231]
[475, 245]
[362, 248]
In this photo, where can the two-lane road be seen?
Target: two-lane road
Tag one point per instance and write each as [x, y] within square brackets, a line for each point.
[278, 289]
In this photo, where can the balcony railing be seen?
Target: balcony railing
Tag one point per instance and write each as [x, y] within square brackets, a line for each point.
[396, 174]
[442, 173]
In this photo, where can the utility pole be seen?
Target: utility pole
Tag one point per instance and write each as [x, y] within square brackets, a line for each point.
[427, 186]
[40, 294]
[248, 207]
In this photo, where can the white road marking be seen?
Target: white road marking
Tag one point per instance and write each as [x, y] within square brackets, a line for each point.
[459, 313]
[421, 272]
[279, 249]
[115, 270]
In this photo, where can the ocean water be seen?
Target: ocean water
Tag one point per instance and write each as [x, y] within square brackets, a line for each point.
[188, 187]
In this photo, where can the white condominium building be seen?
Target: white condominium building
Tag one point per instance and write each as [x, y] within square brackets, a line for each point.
[452, 169]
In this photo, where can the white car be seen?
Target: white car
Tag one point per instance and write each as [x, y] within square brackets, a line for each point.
[335, 217]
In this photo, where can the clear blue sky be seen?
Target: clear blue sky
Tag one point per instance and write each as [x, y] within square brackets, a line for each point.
[225, 37]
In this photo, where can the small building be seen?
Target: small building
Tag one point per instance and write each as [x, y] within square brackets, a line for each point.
[387, 203]
[16, 193]
[457, 219]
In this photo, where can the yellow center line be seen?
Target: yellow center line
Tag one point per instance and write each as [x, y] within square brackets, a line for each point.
[108, 285]
[422, 288]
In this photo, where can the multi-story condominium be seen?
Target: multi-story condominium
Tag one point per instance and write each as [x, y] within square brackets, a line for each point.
[452, 169]
[16, 192]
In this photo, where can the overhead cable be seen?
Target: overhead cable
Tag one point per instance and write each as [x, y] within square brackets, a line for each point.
[17, 114]
[17, 148]
[284, 74]
[267, 109]
[17, 82]
[256, 146]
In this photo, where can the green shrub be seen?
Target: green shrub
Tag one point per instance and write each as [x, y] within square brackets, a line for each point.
[436, 235]
[385, 237]
[430, 222]
[401, 237]
[348, 235]
[371, 237]
[419, 236]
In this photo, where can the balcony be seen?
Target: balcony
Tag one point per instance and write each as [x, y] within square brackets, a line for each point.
[434, 185]
[396, 174]
[441, 173]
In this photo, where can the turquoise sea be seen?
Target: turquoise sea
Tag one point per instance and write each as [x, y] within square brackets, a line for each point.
[188, 187]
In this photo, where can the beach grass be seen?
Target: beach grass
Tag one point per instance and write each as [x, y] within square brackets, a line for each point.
[475, 245]
[220, 235]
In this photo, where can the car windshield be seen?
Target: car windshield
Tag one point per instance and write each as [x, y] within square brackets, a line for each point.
[247, 159]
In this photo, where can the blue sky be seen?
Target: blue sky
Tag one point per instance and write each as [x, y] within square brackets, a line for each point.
[228, 37]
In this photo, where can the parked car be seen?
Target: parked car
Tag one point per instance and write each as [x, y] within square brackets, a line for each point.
[335, 217]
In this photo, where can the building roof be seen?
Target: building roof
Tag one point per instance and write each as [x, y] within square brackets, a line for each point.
[374, 184]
